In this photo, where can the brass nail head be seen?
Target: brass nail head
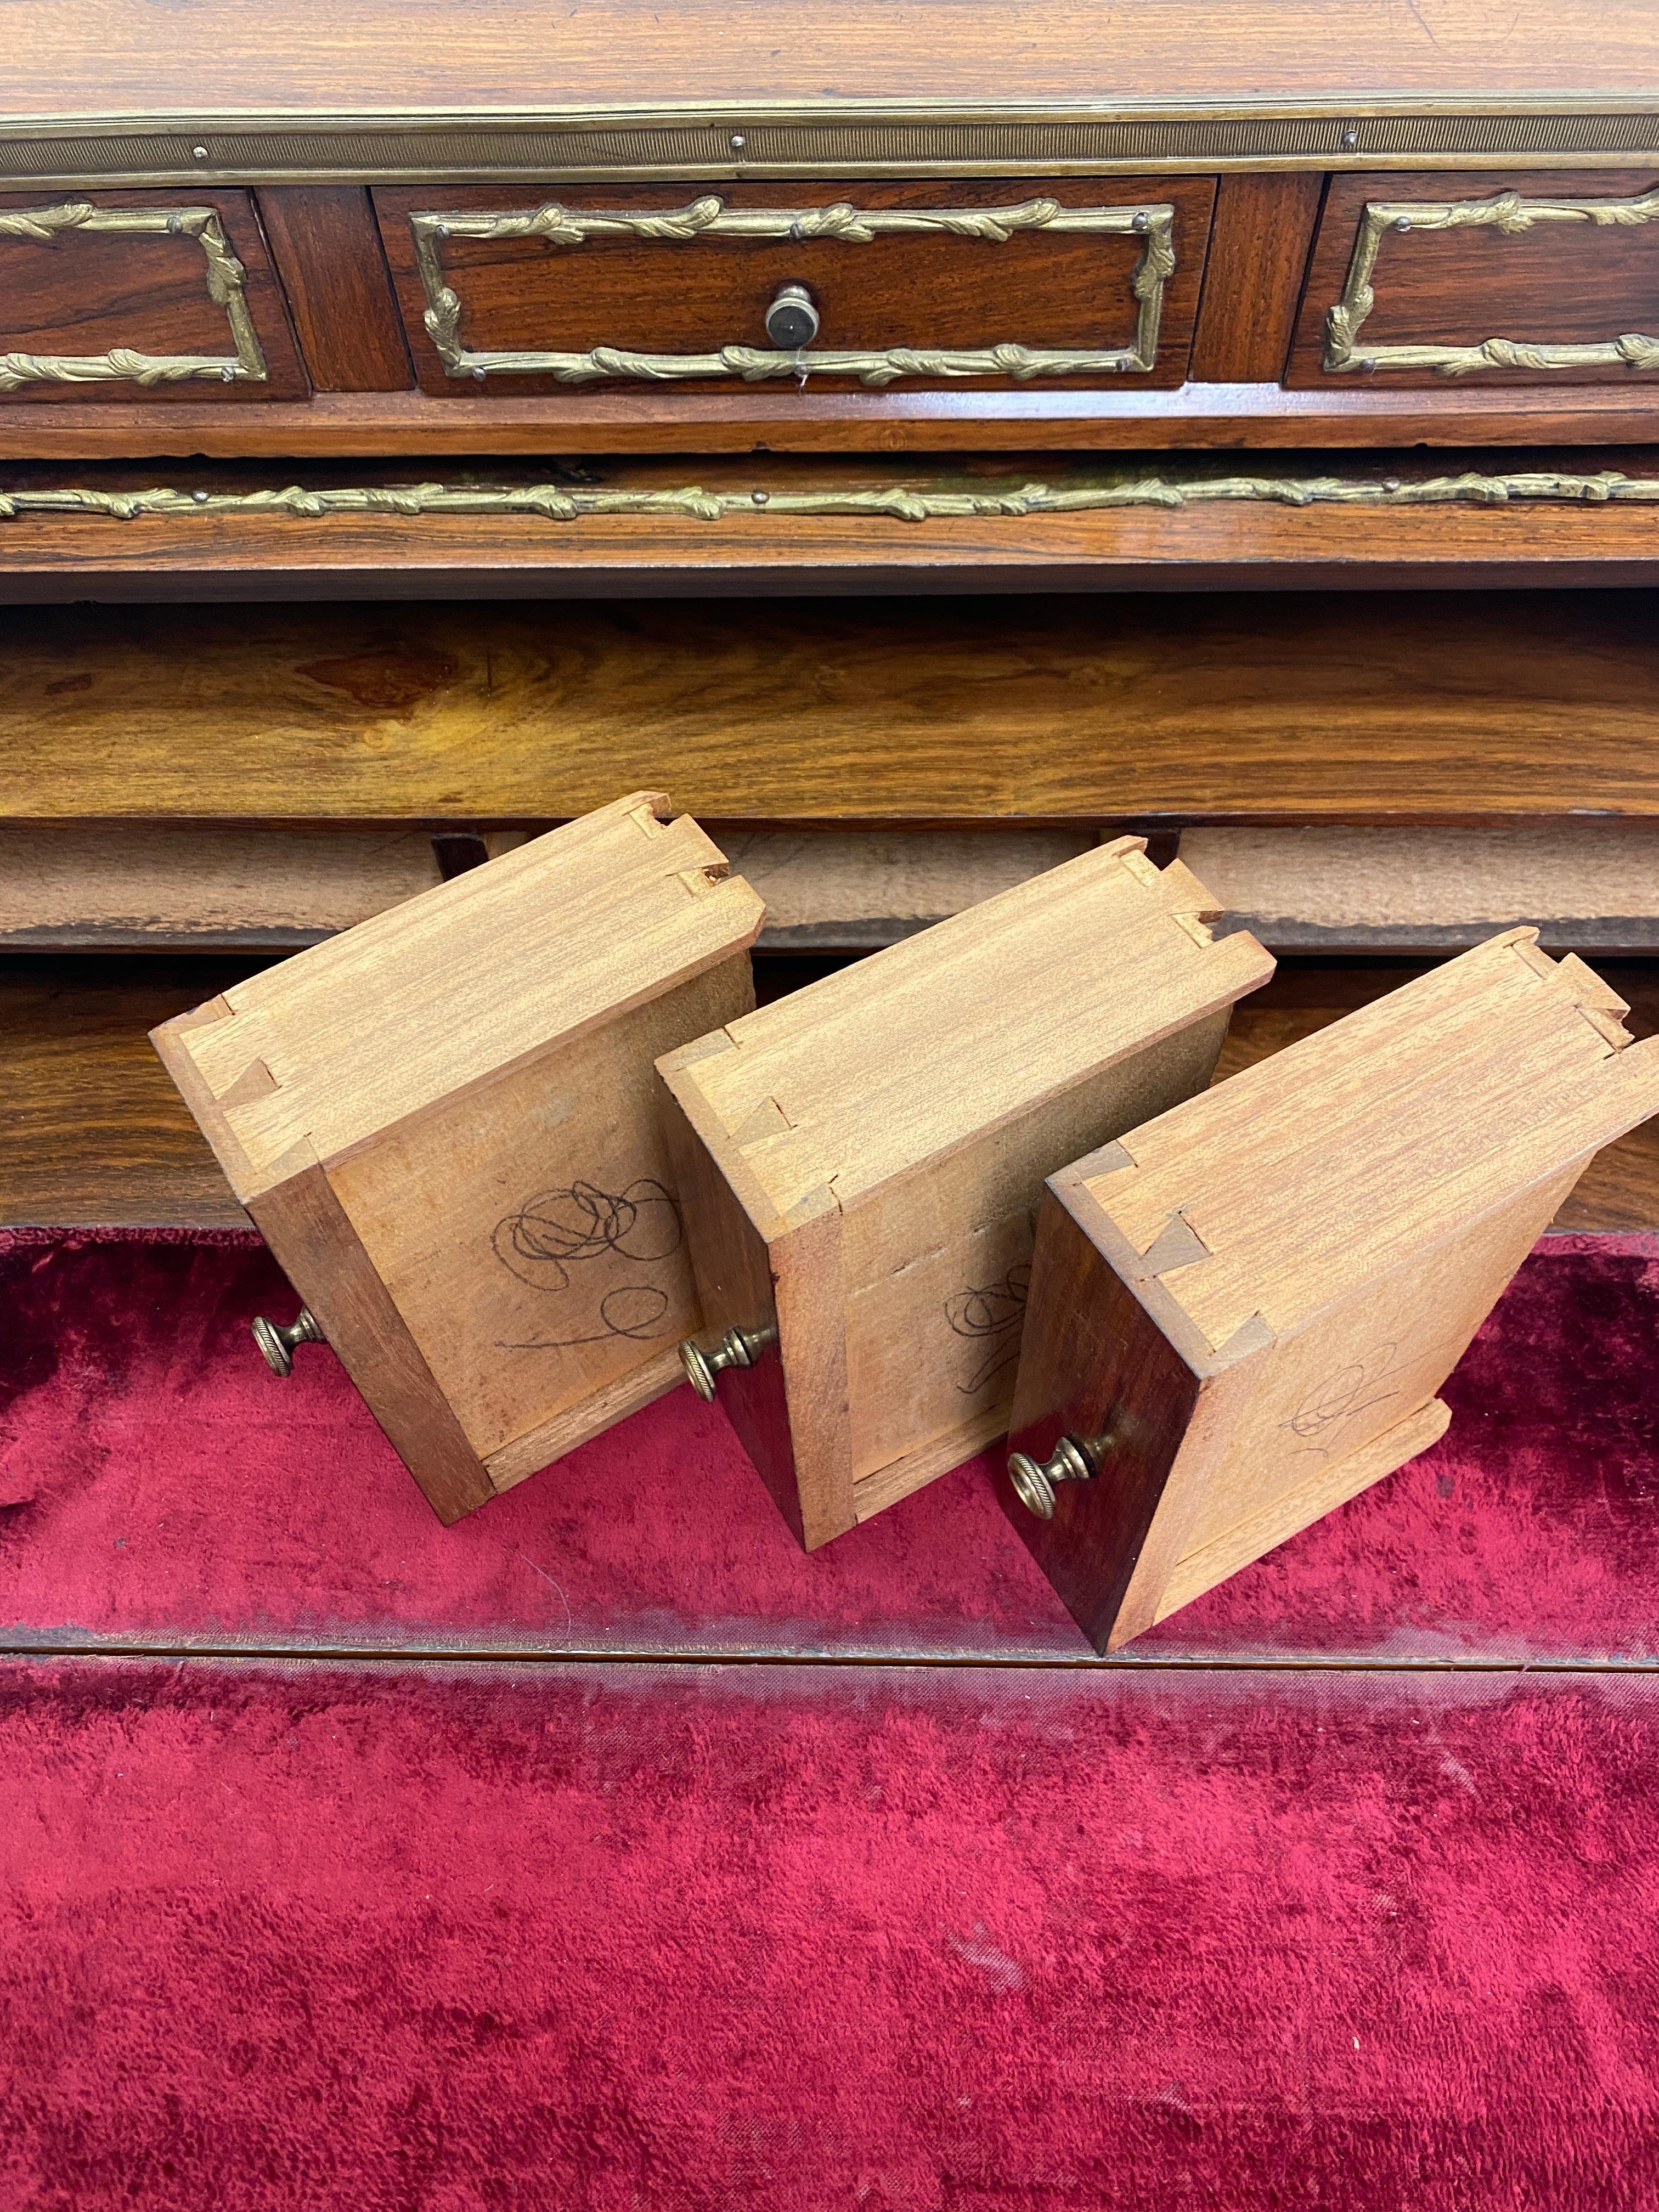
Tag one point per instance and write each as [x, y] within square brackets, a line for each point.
[738, 1347]
[278, 1344]
[1072, 1460]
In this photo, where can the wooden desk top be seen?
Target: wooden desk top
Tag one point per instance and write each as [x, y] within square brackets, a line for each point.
[140, 59]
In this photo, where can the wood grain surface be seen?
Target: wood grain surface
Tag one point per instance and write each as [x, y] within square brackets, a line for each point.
[1590, 886]
[327, 250]
[1259, 244]
[1576, 283]
[92, 1131]
[824, 524]
[86, 292]
[1344, 708]
[1210, 417]
[101, 57]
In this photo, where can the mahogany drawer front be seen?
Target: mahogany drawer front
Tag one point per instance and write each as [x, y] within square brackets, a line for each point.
[130, 295]
[1484, 277]
[1002, 283]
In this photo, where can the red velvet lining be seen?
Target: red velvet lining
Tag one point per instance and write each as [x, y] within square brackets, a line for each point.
[704, 1940]
[156, 1482]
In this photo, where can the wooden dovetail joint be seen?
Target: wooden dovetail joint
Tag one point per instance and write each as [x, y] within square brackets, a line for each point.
[1177, 1244]
[706, 878]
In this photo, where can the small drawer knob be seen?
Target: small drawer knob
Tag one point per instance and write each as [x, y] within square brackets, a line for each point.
[792, 320]
[1074, 1458]
[278, 1344]
[738, 1347]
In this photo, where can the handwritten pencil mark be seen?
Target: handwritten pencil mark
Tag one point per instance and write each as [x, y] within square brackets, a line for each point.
[1342, 1397]
[559, 1228]
[991, 1315]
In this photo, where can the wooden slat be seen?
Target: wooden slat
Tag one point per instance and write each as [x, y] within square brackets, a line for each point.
[1588, 886]
[1247, 544]
[161, 886]
[92, 1130]
[1620, 1188]
[1217, 418]
[1228, 709]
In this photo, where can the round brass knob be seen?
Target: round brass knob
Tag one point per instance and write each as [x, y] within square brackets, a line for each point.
[738, 1347]
[278, 1344]
[792, 320]
[1072, 1460]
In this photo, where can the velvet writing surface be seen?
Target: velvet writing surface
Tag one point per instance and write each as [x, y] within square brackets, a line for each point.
[378, 1938]
[158, 1486]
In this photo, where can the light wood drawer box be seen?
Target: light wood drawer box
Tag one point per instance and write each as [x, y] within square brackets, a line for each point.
[444, 1123]
[1458, 276]
[1007, 283]
[141, 296]
[1240, 1313]
[858, 1164]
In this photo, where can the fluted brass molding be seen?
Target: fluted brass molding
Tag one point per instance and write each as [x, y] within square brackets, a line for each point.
[692, 142]
[1513, 215]
[845, 224]
[226, 284]
[896, 502]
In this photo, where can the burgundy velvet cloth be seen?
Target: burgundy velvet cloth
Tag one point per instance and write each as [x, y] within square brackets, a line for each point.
[1227, 1922]
[301, 1939]
[157, 1481]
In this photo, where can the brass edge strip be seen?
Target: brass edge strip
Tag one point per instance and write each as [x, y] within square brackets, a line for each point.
[226, 284]
[840, 222]
[896, 502]
[1514, 216]
[764, 138]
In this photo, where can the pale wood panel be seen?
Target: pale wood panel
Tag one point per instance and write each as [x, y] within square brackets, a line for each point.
[337, 1044]
[937, 1258]
[529, 1231]
[1326, 1392]
[1315, 1241]
[926, 1092]
[102, 58]
[1322, 1492]
[94, 1132]
[1345, 707]
[158, 885]
[1304, 1178]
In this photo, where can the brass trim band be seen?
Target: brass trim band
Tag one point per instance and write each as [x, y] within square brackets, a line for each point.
[225, 286]
[1514, 216]
[849, 139]
[842, 223]
[891, 502]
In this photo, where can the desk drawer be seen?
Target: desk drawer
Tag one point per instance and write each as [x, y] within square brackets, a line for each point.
[129, 295]
[1484, 277]
[1084, 281]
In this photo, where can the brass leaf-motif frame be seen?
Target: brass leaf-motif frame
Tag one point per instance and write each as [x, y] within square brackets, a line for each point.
[226, 281]
[890, 502]
[1512, 214]
[710, 217]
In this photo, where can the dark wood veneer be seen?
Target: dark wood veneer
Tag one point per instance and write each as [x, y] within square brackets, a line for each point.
[327, 249]
[1093, 1361]
[1559, 282]
[696, 296]
[1259, 245]
[91, 292]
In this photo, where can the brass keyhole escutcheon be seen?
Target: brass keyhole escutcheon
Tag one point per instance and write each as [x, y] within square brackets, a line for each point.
[1074, 1458]
[279, 1344]
[738, 1347]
